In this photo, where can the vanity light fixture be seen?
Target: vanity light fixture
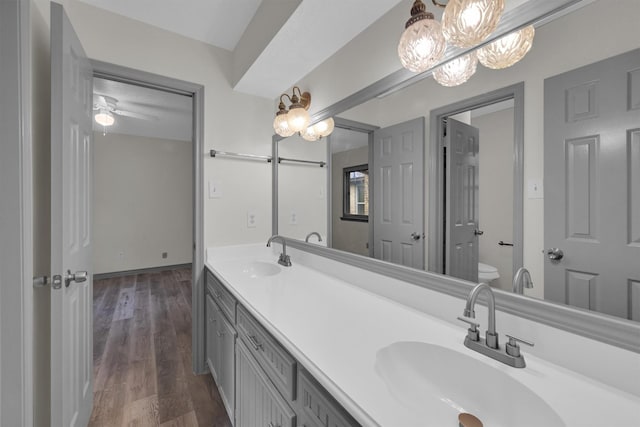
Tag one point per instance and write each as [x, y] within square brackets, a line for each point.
[507, 50]
[319, 130]
[297, 118]
[422, 43]
[465, 23]
[457, 71]
[104, 117]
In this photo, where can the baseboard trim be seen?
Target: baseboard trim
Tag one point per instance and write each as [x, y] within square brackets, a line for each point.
[139, 271]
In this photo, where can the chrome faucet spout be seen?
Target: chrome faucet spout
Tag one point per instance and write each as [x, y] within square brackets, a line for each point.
[521, 280]
[469, 310]
[313, 233]
[284, 259]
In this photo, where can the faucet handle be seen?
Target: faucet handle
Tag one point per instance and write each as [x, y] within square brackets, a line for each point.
[472, 332]
[512, 347]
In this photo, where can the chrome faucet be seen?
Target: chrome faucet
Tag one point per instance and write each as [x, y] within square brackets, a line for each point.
[522, 280]
[284, 259]
[313, 233]
[489, 346]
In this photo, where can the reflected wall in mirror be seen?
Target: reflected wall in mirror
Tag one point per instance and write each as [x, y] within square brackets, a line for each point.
[567, 43]
[302, 188]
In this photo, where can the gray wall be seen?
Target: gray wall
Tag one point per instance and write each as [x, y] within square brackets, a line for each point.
[142, 202]
[348, 236]
[496, 192]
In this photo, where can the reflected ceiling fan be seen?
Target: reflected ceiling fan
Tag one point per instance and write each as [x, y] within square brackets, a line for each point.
[106, 108]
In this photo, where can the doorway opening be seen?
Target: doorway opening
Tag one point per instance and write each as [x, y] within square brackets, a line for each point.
[476, 185]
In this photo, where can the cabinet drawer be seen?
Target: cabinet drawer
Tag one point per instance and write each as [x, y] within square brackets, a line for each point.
[317, 408]
[277, 363]
[222, 296]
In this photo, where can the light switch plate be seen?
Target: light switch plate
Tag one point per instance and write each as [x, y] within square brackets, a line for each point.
[535, 189]
[215, 189]
[252, 219]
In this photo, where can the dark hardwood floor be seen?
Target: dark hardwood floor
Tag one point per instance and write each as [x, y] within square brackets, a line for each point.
[142, 355]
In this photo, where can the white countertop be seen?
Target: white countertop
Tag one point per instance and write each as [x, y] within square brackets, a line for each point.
[336, 331]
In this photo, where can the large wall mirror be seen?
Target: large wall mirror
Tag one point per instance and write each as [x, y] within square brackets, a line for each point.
[526, 197]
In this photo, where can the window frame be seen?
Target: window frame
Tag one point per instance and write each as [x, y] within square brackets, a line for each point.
[346, 193]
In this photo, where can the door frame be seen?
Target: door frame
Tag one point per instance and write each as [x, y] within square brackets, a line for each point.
[437, 179]
[196, 91]
[16, 228]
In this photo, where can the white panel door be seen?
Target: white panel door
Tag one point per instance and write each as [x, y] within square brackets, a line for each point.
[461, 255]
[71, 173]
[398, 159]
[592, 186]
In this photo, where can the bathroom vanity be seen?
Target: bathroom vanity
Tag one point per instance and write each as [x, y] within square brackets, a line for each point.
[325, 343]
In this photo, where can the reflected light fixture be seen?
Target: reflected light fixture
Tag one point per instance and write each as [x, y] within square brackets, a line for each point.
[422, 43]
[457, 71]
[319, 130]
[310, 134]
[507, 50]
[104, 117]
[465, 23]
[297, 118]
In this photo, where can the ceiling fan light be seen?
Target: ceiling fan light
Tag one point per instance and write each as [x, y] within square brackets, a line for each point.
[458, 71]
[422, 43]
[465, 23]
[325, 127]
[507, 50]
[104, 118]
[298, 118]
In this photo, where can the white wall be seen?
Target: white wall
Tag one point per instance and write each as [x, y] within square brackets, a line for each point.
[142, 192]
[496, 192]
[350, 236]
[302, 189]
[565, 44]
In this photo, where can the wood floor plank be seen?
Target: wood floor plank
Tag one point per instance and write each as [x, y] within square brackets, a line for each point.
[141, 413]
[142, 355]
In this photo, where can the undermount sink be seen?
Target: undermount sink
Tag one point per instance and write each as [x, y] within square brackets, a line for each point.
[417, 373]
[257, 269]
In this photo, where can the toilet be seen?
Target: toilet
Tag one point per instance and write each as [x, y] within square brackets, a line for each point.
[487, 273]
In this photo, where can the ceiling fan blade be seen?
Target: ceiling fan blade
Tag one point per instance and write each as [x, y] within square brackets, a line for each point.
[135, 115]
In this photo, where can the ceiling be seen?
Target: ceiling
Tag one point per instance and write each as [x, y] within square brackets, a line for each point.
[169, 114]
[277, 50]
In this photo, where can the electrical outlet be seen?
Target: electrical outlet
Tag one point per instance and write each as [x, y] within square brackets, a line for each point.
[121, 255]
[293, 219]
[252, 219]
[164, 255]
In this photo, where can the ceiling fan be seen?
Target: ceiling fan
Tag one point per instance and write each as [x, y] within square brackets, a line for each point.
[106, 108]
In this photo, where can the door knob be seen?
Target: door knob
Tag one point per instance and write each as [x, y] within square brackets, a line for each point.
[478, 232]
[78, 276]
[415, 236]
[555, 254]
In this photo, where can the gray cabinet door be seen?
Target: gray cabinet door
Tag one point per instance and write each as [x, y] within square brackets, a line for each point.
[398, 175]
[227, 363]
[212, 348]
[592, 186]
[258, 402]
[462, 200]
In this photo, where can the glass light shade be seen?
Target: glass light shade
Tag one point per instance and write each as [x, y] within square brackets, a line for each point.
[311, 134]
[458, 71]
[298, 119]
[325, 127]
[507, 50]
[104, 118]
[421, 45]
[465, 23]
[281, 125]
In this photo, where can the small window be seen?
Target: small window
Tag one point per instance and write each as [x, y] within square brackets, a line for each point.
[356, 193]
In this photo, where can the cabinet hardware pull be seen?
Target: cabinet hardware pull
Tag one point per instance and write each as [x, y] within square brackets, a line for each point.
[254, 342]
